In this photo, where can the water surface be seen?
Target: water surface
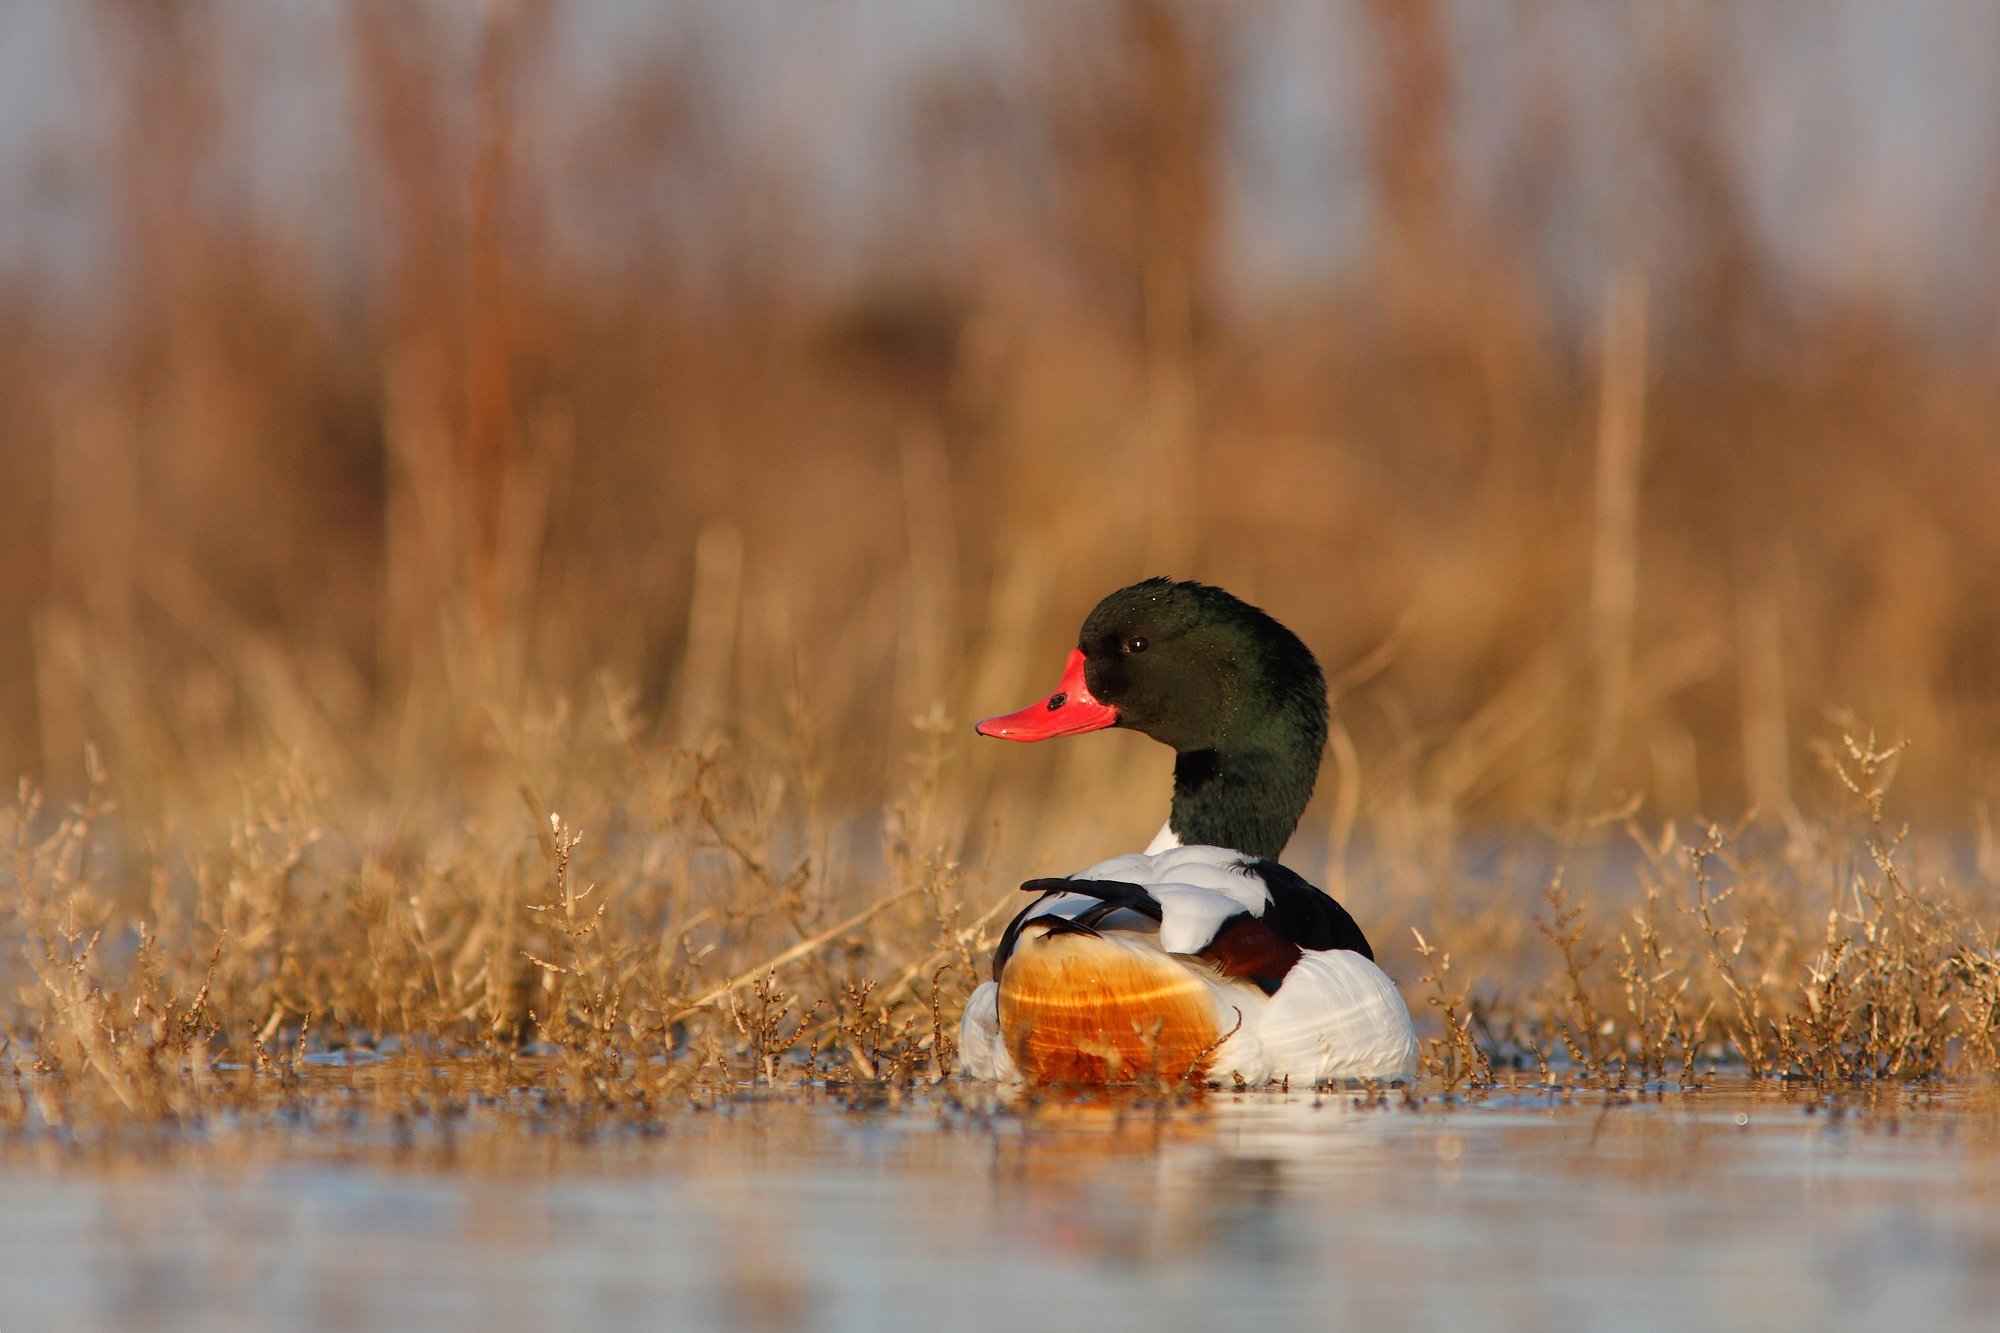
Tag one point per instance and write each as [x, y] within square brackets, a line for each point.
[1728, 1208]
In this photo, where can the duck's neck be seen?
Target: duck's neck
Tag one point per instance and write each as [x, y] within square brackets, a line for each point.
[1248, 799]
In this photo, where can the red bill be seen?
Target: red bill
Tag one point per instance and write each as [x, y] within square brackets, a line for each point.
[1068, 712]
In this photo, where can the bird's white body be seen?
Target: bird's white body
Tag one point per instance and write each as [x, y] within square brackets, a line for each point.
[1335, 1015]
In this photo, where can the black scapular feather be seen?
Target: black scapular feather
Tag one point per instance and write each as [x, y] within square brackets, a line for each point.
[1307, 915]
[1113, 895]
[1299, 911]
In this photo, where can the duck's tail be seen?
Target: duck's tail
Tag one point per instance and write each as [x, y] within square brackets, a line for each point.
[1104, 1008]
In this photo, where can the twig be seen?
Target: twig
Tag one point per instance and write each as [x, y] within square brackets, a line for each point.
[798, 950]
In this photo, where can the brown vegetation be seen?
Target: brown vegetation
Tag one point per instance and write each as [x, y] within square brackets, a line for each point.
[713, 554]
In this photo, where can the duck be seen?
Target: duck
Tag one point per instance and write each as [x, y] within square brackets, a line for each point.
[1201, 959]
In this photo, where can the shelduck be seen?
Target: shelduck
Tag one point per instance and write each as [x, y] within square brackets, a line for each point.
[1200, 958]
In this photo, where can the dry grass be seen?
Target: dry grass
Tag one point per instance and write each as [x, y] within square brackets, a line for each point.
[1824, 959]
[699, 951]
[713, 547]
[693, 951]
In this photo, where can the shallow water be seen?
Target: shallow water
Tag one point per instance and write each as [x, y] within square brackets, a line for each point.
[1720, 1209]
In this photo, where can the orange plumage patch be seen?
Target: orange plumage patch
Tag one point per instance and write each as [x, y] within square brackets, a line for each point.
[1081, 1009]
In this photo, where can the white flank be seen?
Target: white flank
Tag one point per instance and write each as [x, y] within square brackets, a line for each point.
[1338, 1016]
[982, 1054]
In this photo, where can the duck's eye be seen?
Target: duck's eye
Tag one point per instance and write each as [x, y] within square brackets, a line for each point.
[1136, 644]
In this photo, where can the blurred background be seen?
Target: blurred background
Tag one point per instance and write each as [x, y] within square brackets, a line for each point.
[1609, 394]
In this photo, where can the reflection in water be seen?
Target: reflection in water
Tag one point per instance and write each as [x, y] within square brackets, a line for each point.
[1727, 1208]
